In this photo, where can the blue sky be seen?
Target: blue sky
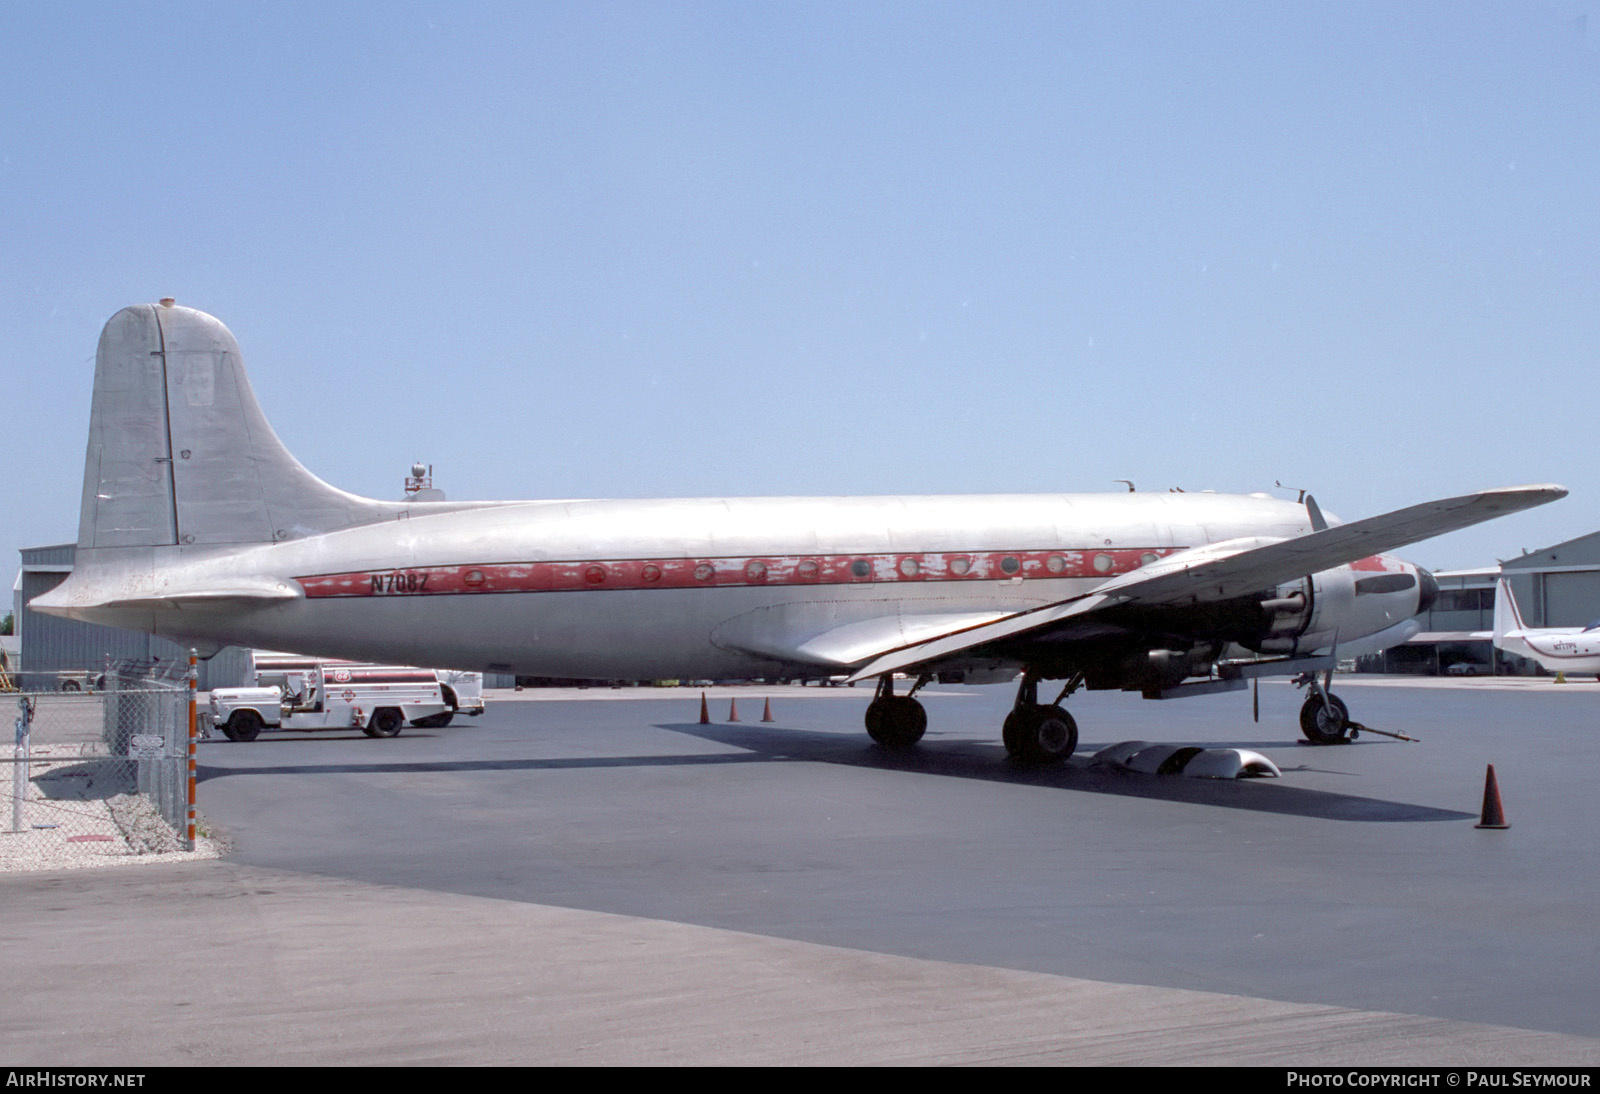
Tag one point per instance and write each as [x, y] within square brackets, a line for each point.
[640, 249]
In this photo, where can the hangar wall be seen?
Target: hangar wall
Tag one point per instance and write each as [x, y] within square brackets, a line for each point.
[1558, 586]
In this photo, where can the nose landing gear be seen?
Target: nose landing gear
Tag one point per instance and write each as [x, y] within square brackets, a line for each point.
[1325, 720]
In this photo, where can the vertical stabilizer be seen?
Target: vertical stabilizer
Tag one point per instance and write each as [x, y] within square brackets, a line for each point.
[179, 451]
[1508, 626]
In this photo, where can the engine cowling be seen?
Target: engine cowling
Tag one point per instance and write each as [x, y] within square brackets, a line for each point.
[1364, 606]
[1344, 604]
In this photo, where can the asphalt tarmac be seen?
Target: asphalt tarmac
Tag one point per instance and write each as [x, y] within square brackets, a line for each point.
[587, 880]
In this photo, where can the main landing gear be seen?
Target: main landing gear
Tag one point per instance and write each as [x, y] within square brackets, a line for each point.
[896, 721]
[1038, 733]
[1034, 732]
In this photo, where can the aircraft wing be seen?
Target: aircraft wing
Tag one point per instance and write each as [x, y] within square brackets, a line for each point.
[1285, 560]
[1223, 571]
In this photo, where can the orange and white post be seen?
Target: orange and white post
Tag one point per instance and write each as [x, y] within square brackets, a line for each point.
[194, 680]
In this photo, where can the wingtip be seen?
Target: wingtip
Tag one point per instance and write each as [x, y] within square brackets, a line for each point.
[1533, 493]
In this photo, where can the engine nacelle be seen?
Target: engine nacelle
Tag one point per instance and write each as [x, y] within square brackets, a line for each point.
[1342, 605]
[1151, 670]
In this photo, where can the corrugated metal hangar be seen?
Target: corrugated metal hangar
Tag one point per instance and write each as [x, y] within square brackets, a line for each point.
[1555, 587]
[1558, 586]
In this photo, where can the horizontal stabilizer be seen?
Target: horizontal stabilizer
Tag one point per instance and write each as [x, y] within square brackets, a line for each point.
[88, 600]
[237, 592]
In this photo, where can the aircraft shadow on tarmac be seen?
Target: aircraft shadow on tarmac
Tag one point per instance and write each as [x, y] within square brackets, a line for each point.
[979, 760]
[964, 759]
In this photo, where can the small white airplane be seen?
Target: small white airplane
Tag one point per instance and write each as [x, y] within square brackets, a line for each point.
[198, 525]
[1571, 650]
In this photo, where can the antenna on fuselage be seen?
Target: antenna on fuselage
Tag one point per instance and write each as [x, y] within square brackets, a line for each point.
[1128, 482]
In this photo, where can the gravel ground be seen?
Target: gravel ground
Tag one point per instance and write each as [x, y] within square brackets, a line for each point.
[63, 830]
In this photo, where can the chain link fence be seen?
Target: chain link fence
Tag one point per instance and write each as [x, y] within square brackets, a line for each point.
[100, 772]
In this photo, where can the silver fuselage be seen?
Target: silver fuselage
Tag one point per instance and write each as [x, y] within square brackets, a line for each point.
[514, 587]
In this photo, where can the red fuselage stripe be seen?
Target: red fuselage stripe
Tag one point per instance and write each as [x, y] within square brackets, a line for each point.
[699, 573]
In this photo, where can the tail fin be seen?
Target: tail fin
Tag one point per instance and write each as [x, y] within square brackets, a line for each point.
[1508, 625]
[179, 451]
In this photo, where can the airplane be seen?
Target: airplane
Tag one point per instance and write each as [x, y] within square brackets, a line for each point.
[197, 524]
[1573, 650]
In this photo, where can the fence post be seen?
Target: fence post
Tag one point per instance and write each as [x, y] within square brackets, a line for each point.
[194, 681]
[19, 769]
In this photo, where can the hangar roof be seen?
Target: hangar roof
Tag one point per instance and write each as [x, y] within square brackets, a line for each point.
[1575, 554]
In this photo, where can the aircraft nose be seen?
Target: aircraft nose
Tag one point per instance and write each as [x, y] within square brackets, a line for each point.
[1428, 592]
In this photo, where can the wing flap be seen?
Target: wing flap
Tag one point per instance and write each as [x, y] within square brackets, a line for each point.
[959, 641]
[833, 635]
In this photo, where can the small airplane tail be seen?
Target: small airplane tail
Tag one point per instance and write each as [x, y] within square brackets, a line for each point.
[179, 452]
[1508, 625]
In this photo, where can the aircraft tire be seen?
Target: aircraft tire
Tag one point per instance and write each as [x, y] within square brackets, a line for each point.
[897, 721]
[1008, 735]
[242, 725]
[1041, 734]
[1321, 727]
[385, 722]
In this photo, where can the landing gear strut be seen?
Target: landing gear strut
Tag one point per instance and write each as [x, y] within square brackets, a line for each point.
[1324, 719]
[1038, 733]
[896, 721]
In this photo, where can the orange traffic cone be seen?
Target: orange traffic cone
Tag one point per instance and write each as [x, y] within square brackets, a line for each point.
[705, 713]
[766, 711]
[733, 710]
[1493, 815]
